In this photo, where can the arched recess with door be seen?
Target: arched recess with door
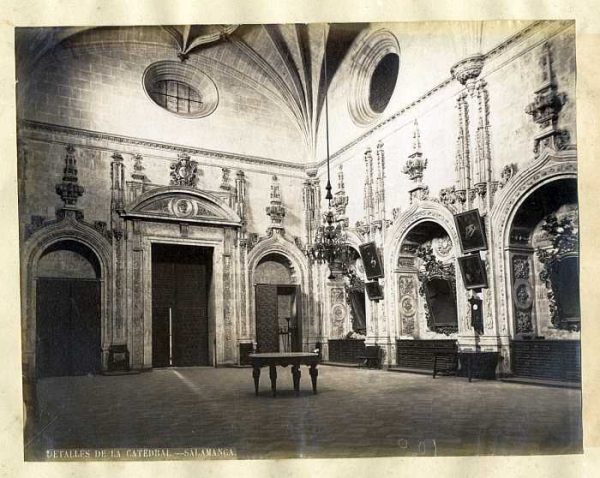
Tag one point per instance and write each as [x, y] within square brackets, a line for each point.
[65, 290]
[537, 215]
[427, 298]
[278, 297]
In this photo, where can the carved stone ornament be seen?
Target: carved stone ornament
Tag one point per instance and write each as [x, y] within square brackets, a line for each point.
[275, 210]
[468, 70]
[564, 234]
[521, 267]
[522, 294]
[443, 246]
[434, 268]
[225, 179]
[448, 196]
[340, 199]
[416, 164]
[69, 190]
[508, 172]
[138, 169]
[545, 108]
[184, 171]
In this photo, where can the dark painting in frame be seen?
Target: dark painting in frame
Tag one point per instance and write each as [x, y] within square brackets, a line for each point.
[471, 231]
[374, 291]
[371, 260]
[473, 272]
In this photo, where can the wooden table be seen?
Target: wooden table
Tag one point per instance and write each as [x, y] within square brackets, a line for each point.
[295, 359]
[484, 363]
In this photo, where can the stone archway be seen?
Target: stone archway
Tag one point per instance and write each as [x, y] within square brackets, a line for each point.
[73, 231]
[551, 166]
[403, 268]
[278, 245]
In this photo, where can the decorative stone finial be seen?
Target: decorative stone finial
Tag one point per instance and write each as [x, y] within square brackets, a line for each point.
[225, 179]
[416, 164]
[546, 107]
[340, 201]
[69, 190]
[276, 210]
[138, 169]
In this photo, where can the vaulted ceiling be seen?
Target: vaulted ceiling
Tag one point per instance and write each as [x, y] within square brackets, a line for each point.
[286, 61]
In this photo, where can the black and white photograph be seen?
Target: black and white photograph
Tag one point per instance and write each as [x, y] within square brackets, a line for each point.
[203, 209]
[471, 231]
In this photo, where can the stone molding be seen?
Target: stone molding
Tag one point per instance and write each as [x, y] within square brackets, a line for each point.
[29, 125]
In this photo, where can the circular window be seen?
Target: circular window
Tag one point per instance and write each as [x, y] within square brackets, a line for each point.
[181, 89]
[383, 82]
[373, 75]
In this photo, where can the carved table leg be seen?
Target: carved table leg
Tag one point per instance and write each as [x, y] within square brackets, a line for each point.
[273, 376]
[296, 376]
[314, 373]
[256, 376]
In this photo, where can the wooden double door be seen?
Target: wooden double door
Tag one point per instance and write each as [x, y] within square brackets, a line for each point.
[278, 327]
[68, 331]
[181, 277]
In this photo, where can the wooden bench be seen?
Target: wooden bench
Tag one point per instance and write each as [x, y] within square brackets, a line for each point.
[372, 357]
[451, 362]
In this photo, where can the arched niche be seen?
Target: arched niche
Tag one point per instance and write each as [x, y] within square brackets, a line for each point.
[66, 251]
[544, 261]
[274, 268]
[427, 286]
[421, 223]
[273, 260]
[551, 166]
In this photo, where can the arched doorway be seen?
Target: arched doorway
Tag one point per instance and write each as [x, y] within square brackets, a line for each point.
[278, 328]
[68, 311]
[543, 260]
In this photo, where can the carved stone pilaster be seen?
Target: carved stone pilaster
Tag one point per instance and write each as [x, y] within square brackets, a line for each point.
[463, 161]
[311, 198]
[380, 184]
[483, 164]
[368, 189]
[522, 294]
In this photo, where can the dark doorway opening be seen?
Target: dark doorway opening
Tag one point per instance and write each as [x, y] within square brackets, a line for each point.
[68, 330]
[181, 280]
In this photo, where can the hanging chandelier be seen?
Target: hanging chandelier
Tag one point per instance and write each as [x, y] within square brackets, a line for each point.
[331, 242]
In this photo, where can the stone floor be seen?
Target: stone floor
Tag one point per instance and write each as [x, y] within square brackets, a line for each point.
[355, 413]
